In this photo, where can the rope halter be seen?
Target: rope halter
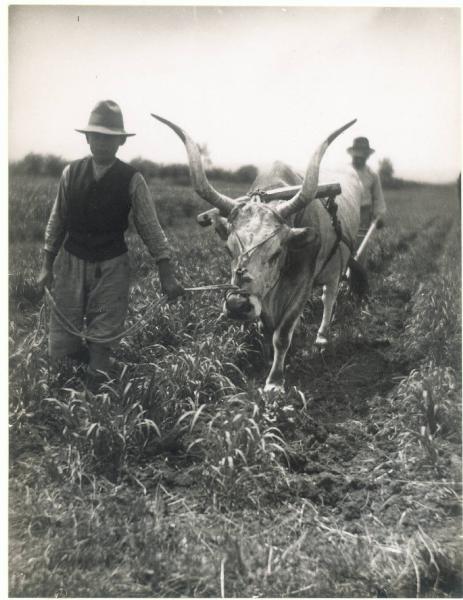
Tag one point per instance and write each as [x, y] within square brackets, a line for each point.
[245, 255]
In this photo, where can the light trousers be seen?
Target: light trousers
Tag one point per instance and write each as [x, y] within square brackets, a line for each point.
[94, 298]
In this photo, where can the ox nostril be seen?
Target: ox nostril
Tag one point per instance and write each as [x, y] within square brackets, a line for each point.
[242, 276]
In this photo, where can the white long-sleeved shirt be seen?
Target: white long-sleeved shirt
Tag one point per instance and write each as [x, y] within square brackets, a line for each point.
[372, 194]
[143, 212]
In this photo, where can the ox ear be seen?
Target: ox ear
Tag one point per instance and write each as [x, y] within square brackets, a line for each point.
[221, 227]
[299, 237]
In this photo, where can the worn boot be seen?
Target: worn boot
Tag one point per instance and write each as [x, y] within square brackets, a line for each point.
[98, 367]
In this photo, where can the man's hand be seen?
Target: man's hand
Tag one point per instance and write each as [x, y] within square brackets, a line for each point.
[45, 277]
[379, 223]
[169, 284]
[172, 289]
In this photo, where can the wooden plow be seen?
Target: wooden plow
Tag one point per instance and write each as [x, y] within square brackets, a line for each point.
[329, 190]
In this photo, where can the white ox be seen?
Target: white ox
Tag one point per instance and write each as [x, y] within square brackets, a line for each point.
[282, 248]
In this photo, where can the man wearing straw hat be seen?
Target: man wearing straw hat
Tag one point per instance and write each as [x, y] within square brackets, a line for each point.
[372, 205]
[89, 218]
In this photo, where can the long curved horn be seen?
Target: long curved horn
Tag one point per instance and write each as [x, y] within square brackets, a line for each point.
[198, 176]
[309, 186]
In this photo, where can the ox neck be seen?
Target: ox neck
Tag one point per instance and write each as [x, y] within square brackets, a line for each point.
[296, 276]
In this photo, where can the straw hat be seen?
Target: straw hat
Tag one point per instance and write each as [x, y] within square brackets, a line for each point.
[360, 147]
[106, 118]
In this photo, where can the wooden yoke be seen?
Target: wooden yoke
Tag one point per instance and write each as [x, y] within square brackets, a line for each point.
[329, 190]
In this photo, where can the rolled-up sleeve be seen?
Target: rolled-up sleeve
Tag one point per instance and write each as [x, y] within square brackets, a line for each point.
[379, 204]
[146, 220]
[55, 230]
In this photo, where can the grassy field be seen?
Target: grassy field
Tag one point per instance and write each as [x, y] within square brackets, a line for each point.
[182, 479]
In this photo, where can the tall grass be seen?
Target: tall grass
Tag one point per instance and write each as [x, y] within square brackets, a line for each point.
[182, 478]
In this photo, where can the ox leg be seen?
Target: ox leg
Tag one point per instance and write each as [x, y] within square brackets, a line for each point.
[281, 341]
[330, 292]
[266, 343]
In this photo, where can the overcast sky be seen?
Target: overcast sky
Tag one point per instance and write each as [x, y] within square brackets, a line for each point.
[256, 84]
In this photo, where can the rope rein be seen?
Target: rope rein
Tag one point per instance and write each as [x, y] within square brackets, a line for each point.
[71, 329]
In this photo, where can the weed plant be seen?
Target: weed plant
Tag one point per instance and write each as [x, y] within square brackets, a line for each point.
[181, 478]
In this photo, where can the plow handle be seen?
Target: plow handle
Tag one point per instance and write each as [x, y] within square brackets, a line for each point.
[365, 240]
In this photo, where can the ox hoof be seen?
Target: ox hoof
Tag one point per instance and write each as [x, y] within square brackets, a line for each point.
[273, 388]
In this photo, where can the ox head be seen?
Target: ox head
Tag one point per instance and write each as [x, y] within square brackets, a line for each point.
[258, 240]
[257, 235]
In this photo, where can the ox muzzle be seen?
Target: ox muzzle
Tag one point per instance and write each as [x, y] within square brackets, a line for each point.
[242, 305]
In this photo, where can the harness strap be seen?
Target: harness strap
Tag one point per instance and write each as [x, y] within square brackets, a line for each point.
[332, 209]
[250, 250]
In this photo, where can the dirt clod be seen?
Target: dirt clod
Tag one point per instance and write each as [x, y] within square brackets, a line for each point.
[351, 510]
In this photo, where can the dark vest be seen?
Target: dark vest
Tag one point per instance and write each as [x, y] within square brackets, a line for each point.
[97, 211]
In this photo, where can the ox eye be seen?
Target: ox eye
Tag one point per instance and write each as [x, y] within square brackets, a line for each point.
[274, 256]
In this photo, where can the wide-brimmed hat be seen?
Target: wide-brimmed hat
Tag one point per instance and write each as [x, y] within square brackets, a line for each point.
[106, 118]
[360, 147]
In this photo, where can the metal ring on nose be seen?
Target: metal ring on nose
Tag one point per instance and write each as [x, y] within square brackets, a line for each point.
[238, 304]
[237, 292]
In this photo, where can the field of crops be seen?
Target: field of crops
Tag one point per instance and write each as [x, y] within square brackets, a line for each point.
[184, 479]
